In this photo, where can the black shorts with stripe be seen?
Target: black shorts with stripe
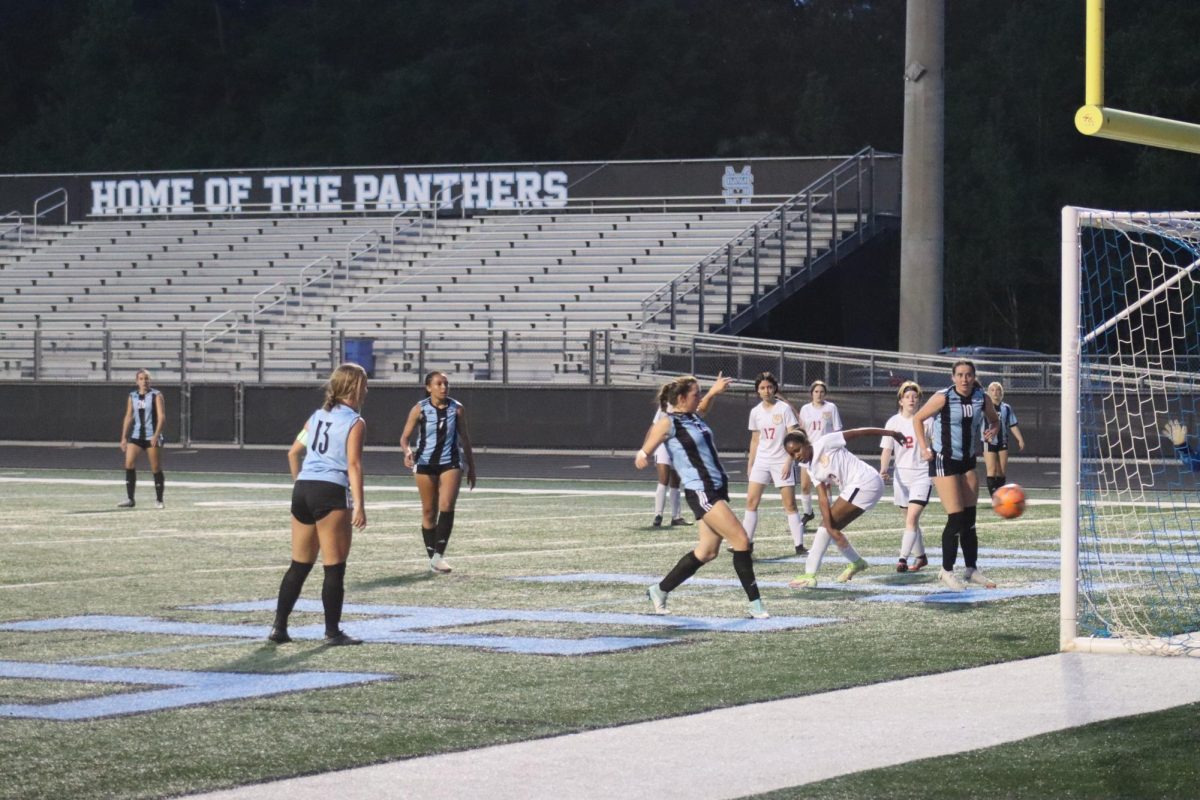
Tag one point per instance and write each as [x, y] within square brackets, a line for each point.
[941, 467]
[313, 500]
[701, 502]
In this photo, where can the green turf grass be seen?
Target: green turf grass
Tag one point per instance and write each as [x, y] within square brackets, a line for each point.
[1150, 755]
[70, 552]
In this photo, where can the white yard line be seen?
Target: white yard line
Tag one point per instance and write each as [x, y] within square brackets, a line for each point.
[782, 743]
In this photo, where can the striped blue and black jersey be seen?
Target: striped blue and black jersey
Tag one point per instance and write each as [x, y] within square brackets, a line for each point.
[694, 453]
[1008, 419]
[437, 435]
[326, 458]
[145, 414]
[959, 425]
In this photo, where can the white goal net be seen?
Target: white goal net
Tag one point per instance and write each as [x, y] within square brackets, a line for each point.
[1131, 370]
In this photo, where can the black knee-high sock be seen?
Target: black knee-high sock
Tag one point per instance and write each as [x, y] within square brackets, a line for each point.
[743, 565]
[130, 482]
[970, 539]
[159, 483]
[991, 484]
[332, 594]
[1001, 480]
[684, 569]
[289, 592]
[428, 535]
[445, 524]
[950, 535]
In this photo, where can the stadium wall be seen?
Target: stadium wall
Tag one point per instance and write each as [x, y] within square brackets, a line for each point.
[462, 188]
[556, 418]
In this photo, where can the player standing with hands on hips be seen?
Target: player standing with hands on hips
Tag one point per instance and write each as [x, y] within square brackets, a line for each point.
[818, 418]
[141, 431]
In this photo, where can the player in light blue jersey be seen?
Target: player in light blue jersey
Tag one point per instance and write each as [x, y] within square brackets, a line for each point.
[995, 449]
[706, 487]
[142, 432]
[442, 446]
[958, 413]
[327, 500]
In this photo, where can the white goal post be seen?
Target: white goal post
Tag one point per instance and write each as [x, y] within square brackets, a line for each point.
[1130, 541]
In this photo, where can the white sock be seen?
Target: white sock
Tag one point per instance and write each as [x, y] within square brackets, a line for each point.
[675, 512]
[919, 543]
[750, 522]
[660, 499]
[849, 552]
[906, 544]
[816, 553]
[796, 527]
[806, 503]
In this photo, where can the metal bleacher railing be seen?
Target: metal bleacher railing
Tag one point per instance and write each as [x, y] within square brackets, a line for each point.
[831, 216]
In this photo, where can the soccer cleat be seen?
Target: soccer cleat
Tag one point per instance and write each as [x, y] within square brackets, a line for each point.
[979, 579]
[852, 569]
[801, 550]
[439, 565]
[126, 503]
[920, 561]
[340, 639]
[902, 565]
[806, 581]
[658, 598]
[757, 611]
[657, 521]
[279, 636]
[807, 518]
[951, 580]
[159, 505]
[679, 521]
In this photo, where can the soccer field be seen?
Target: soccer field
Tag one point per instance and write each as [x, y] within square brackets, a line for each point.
[135, 665]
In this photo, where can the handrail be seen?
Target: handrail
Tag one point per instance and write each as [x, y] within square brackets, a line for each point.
[205, 340]
[302, 284]
[254, 310]
[350, 246]
[63, 205]
[691, 280]
[18, 227]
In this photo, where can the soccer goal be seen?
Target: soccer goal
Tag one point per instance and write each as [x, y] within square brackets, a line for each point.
[1130, 366]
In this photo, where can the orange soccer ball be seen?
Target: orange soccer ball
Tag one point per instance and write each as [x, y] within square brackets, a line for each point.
[1009, 501]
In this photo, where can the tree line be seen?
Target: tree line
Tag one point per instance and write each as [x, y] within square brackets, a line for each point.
[171, 84]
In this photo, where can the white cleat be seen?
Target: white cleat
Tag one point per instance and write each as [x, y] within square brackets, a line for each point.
[126, 503]
[974, 576]
[439, 565]
[658, 598]
[159, 505]
[951, 580]
[757, 611]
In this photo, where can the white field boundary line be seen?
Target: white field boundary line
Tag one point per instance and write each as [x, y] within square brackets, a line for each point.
[658, 759]
[413, 490]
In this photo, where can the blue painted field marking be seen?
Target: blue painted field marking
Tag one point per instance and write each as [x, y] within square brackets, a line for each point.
[174, 688]
[416, 625]
[870, 587]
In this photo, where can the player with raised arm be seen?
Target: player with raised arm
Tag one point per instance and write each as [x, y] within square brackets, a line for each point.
[706, 486]
[861, 487]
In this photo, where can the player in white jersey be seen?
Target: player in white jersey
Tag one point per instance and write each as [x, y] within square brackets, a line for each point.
[911, 484]
[769, 422]
[668, 479]
[818, 418]
[860, 489]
